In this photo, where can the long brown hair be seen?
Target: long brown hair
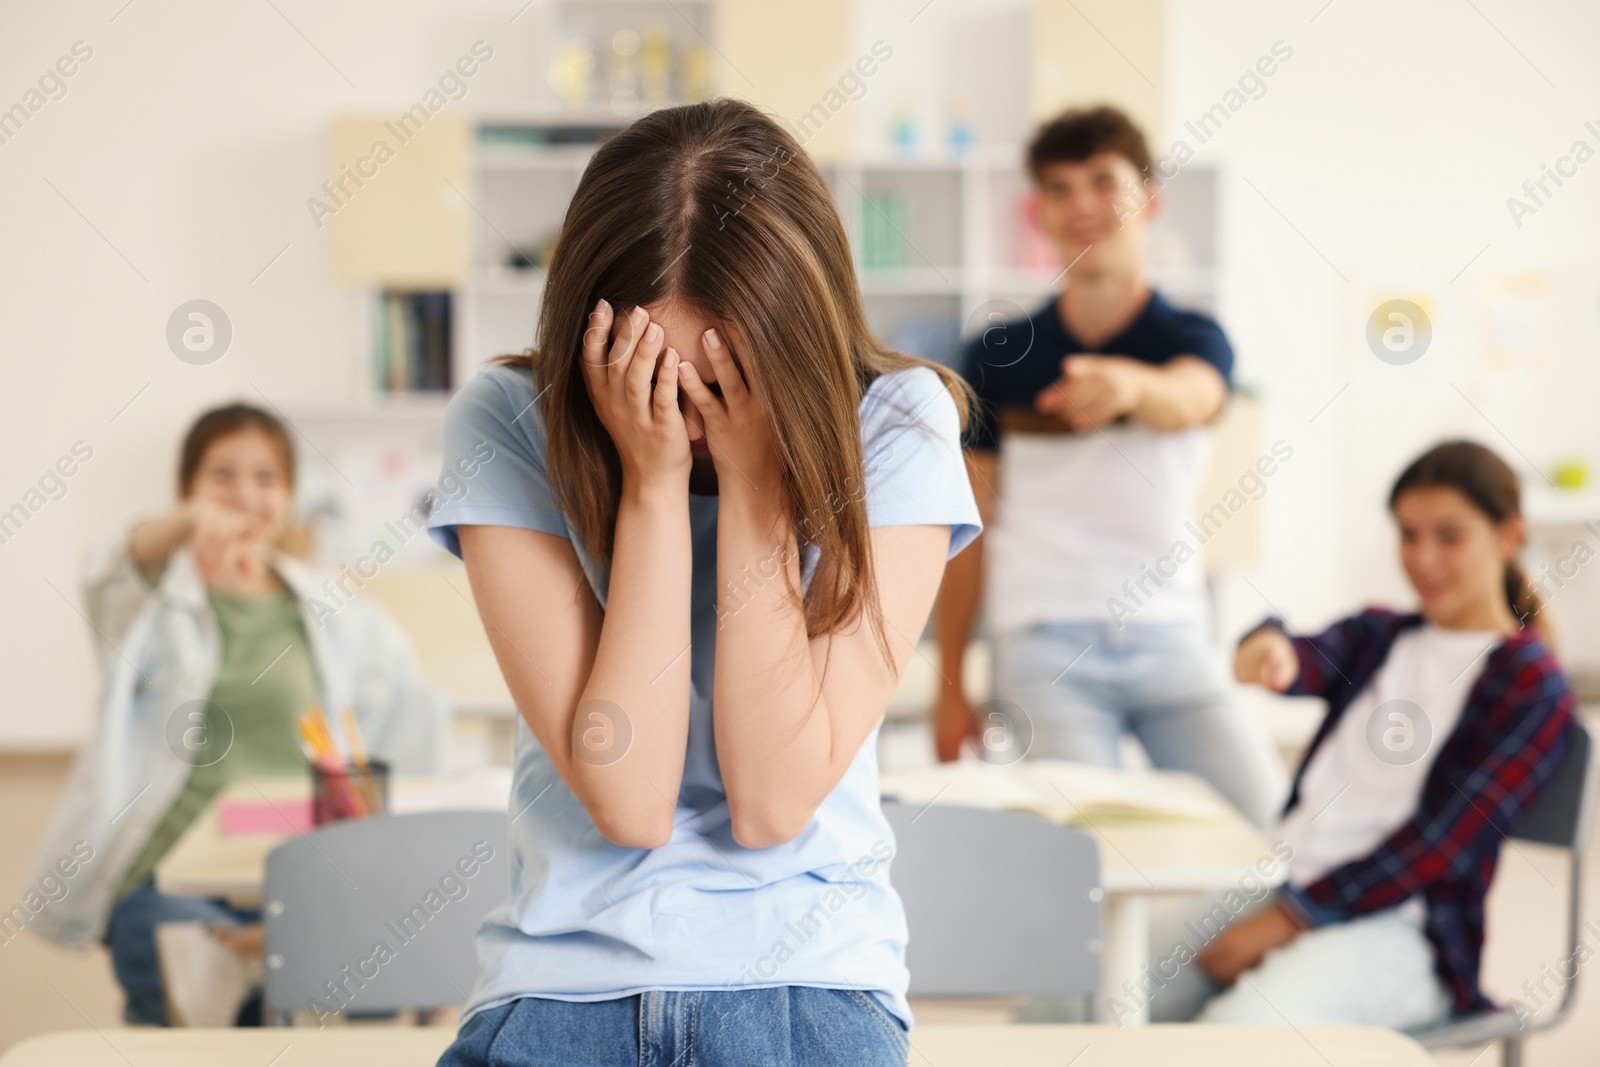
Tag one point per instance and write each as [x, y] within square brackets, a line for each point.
[1492, 487]
[716, 208]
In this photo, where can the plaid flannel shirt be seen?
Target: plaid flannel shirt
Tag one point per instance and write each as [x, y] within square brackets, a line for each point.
[1510, 740]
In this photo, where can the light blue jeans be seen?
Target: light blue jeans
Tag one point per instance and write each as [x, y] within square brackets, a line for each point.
[1080, 686]
[786, 1026]
[1375, 970]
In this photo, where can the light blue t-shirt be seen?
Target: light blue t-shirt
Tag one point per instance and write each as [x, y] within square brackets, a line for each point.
[590, 920]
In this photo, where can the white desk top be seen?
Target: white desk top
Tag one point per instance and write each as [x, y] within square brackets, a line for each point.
[1148, 858]
[1207, 851]
[945, 1046]
[1180, 858]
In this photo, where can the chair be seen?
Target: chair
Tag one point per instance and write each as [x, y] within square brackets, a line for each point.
[997, 903]
[1561, 818]
[379, 915]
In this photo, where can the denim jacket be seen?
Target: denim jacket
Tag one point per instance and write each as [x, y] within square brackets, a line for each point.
[162, 649]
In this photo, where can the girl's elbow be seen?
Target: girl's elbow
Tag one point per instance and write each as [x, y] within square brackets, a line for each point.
[632, 827]
[764, 827]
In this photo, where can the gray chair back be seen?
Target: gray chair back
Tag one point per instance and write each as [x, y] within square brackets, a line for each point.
[997, 903]
[379, 915]
[1562, 818]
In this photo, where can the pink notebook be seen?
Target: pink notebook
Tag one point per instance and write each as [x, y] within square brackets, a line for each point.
[246, 818]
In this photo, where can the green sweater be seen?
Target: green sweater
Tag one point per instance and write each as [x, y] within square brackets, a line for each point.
[247, 728]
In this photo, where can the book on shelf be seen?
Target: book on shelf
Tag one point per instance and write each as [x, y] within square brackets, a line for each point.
[412, 347]
[883, 224]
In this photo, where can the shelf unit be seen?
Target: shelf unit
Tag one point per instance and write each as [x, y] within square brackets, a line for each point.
[964, 254]
[961, 233]
[521, 196]
[965, 258]
[963, 236]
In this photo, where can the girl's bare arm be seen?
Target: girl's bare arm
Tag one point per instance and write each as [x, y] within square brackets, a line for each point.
[607, 693]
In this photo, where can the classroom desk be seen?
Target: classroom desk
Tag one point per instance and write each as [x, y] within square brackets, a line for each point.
[1137, 864]
[942, 1045]
[205, 862]
[1142, 861]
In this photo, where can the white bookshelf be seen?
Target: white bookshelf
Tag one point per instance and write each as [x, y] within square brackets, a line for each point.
[960, 229]
[961, 253]
[961, 226]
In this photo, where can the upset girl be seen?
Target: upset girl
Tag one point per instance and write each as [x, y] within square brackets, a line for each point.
[1443, 726]
[708, 545]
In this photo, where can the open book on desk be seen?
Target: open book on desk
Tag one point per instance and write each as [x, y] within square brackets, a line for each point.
[1076, 794]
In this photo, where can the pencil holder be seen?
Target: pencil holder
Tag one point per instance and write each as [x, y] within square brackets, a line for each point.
[346, 791]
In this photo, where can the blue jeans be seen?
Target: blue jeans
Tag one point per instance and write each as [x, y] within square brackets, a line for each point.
[787, 1026]
[131, 936]
[1082, 685]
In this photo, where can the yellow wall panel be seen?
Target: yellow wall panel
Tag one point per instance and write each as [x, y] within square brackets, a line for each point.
[395, 221]
[1099, 51]
[786, 58]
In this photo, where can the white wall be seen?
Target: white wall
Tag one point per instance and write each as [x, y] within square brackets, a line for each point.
[1390, 141]
[190, 141]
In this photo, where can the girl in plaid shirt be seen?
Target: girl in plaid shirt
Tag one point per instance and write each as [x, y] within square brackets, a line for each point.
[1443, 727]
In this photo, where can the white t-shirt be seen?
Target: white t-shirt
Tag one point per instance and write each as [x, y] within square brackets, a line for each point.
[1365, 779]
[1088, 519]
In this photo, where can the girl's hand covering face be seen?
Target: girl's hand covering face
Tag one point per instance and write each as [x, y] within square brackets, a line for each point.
[643, 420]
[736, 425]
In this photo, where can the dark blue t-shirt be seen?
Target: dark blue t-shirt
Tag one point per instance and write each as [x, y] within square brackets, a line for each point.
[1009, 364]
